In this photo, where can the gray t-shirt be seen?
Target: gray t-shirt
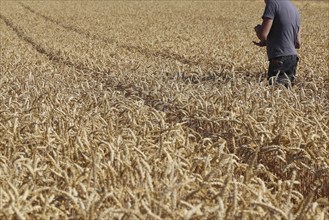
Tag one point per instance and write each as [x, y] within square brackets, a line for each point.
[282, 38]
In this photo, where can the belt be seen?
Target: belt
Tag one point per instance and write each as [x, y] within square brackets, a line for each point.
[279, 60]
[276, 62]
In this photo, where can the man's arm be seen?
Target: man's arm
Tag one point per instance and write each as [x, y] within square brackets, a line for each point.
[298, 40]
[263, 30]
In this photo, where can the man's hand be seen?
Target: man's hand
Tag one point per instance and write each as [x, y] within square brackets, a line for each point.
[260, 43]
[258, 28]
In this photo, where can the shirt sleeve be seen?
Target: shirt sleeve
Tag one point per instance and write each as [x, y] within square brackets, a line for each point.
[270, 10]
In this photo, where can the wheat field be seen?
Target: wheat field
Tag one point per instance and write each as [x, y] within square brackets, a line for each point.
[159, 110]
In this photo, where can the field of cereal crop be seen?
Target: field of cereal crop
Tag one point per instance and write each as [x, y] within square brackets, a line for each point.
[159, 110]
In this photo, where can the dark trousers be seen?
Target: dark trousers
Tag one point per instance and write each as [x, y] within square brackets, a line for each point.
[282, 70]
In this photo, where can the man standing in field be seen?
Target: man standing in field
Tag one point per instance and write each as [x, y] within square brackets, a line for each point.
[280, 33]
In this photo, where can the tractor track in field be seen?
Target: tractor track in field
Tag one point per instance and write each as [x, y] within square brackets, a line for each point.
[173, 113]
[48, 18]
[144, 51]
[52, 56]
